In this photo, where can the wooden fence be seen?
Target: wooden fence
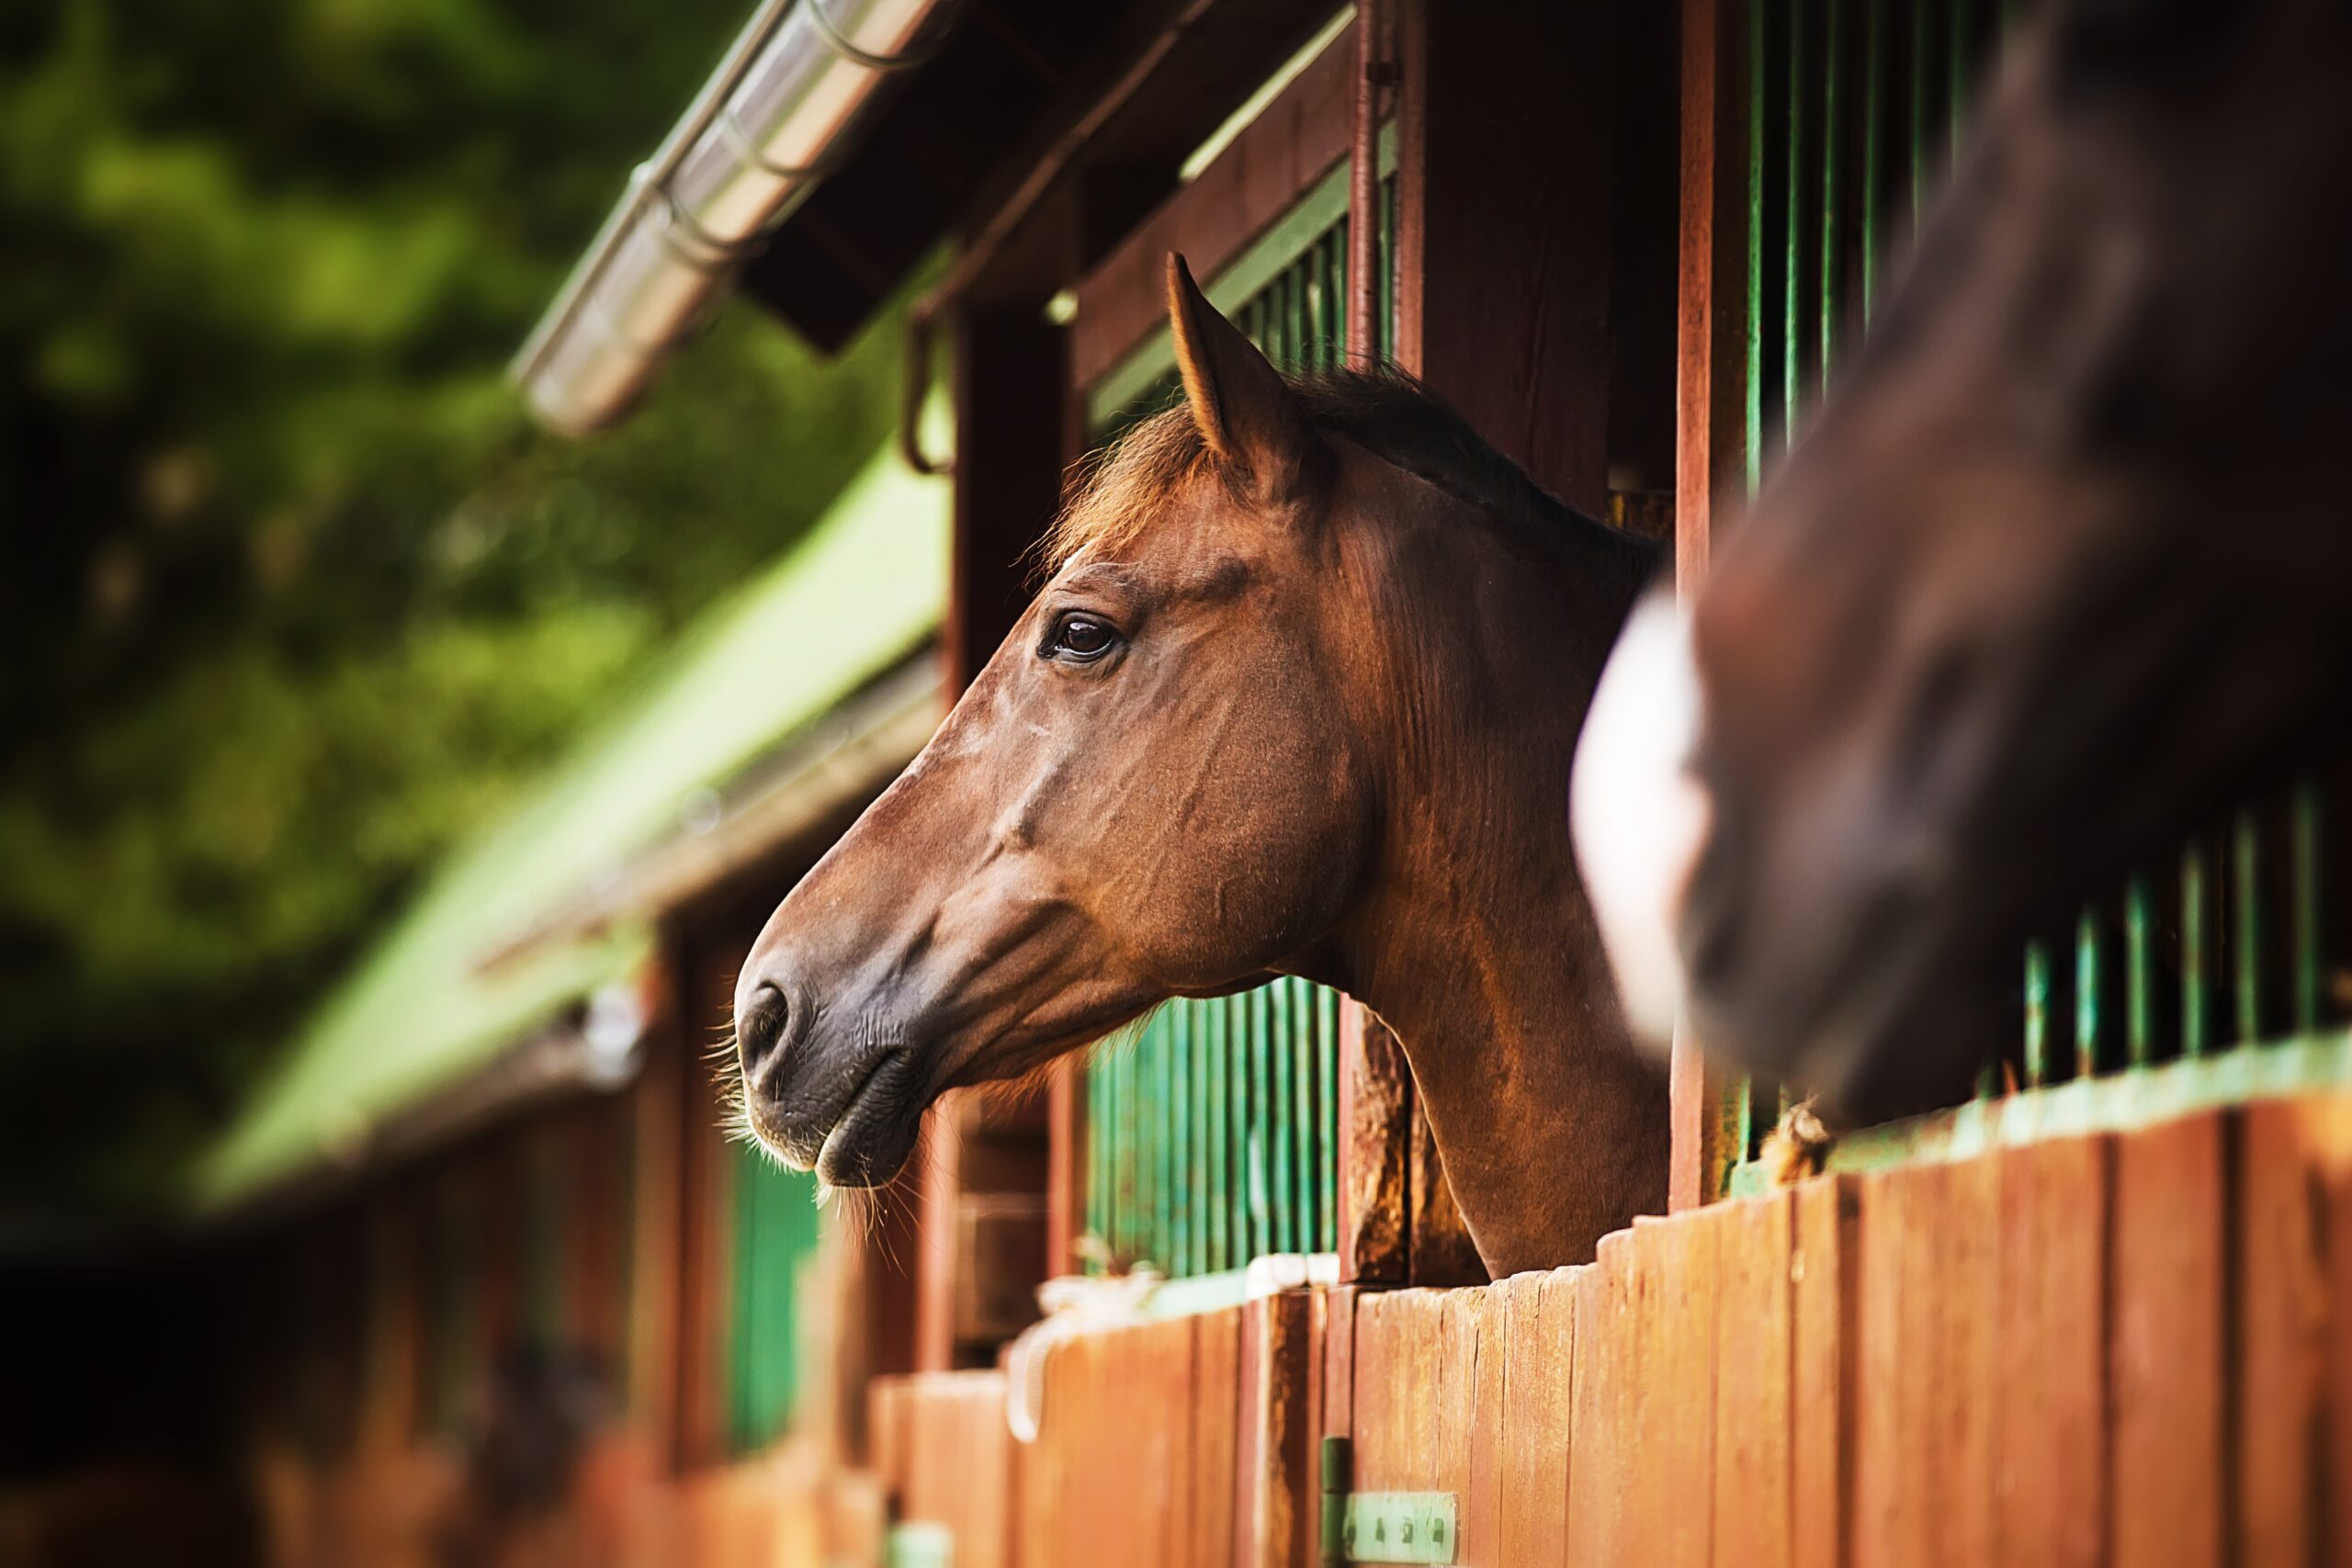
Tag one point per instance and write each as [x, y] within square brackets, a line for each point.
[2123, 1349]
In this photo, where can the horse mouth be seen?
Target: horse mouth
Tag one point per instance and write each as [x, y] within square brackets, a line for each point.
[875, 1132]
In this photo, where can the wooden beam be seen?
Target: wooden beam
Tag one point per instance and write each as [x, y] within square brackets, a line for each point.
[1710, 456]
[1011, 366]
[1502, 286]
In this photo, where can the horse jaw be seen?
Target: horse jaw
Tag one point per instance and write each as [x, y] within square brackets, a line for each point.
[1636, 815]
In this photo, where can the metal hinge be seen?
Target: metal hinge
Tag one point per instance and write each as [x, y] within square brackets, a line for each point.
[920, 1544]
[1381, 1526]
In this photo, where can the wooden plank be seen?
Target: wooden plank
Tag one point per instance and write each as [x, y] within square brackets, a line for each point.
[1540, 1382]
[2167, 1354]
[2280, 1414]
[1954, 1263]
[1754, 1484]
[1682, 1370]
[1276, 1459]
[1217, 1397]
[1336, 1408]
[1825, 1370]
[1602, 1440]
[1881, 1530]
[1499, 1318]
[2051, 1439]
[1462, 1384]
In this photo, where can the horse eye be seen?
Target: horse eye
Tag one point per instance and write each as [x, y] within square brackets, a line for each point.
[1079, 637]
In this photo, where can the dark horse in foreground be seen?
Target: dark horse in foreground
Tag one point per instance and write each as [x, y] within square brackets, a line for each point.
[2062, 566]
[1300, 696]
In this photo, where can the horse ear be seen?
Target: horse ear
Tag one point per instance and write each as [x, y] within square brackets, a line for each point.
[1246, 411]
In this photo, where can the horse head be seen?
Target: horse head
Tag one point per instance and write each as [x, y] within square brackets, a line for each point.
[1301, 687]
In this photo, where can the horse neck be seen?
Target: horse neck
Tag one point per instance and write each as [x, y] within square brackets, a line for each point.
[1479, 947]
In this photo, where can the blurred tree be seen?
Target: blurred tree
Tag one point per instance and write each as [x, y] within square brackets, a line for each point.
[292, 595]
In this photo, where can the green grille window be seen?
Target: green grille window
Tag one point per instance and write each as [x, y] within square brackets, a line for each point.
[774, 1232]
[1852, 110]
[1212, 1136]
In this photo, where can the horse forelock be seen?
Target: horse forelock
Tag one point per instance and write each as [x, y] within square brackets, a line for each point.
[1121, 490]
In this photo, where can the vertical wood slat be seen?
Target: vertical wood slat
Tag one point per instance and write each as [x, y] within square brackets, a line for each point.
[1679, 1383]
[1601, 1464]
[2292, 1161]
[1754, 1488]
[2168, 1349]
[1825, 1374]
[2049, 1493]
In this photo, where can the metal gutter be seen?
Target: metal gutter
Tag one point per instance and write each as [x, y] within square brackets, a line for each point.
[773, 118]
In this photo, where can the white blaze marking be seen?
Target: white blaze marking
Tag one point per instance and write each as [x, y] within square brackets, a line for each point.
[1637, 815]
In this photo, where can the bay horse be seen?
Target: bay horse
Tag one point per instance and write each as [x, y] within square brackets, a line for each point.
[2062, 568]
[1299, 696]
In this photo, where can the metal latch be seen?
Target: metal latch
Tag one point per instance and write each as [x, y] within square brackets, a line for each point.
[1381, 1526]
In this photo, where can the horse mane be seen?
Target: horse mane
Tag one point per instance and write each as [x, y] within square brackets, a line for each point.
[1118, 490]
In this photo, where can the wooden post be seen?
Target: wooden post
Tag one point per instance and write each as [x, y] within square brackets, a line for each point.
[1065, 1167]
[1011, 365]
[939, 1199]
[1502, 288]
[1709, 453]
[1376, 1141]
[1502, 285]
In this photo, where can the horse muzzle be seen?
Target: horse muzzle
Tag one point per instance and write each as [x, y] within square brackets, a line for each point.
[845, 1103]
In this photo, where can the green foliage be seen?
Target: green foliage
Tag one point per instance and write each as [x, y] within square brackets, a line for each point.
[293, 596]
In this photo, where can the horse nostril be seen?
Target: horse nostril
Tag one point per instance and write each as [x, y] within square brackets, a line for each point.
[759, 1023]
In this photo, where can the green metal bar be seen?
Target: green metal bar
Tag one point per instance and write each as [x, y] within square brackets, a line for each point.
[2088, 968]
[1327, 1069]
[1275, 1024]
[1873, 132]
[1756, 241]
[2307, 808]
[1132, 1155]
[2246, 926]
[1962, 78]
[2139, 972]
[1792, 283]
[2036, 1015]
[2197, 976]
[1922, 72]
[1209, 1019]
[1833, 215]
[1311, 1120]
[1261, 1108]
[1157, 1112]
[1183, 1134]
